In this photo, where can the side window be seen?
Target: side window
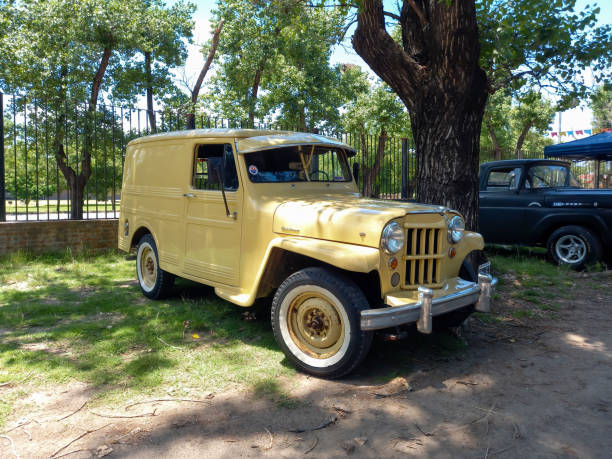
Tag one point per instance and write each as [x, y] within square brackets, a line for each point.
[214, 164]
[504, 179]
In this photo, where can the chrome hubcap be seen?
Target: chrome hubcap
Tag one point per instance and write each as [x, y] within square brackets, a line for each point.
[315, 325]
[148, 267]
[571, 249]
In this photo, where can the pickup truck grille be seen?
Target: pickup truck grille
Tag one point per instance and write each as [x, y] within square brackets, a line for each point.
[424, 253]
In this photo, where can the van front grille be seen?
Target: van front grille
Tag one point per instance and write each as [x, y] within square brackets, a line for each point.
[423, 256]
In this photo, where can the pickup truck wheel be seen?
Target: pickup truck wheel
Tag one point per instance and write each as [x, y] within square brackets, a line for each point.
[155, 283]
[316, 322]
[458, 316]
[574, 246]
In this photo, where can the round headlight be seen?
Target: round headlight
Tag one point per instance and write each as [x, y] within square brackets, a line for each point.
[456, 227]
[392, 239]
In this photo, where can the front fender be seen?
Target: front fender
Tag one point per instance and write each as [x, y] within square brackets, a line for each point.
[349, 257]
[552, 221]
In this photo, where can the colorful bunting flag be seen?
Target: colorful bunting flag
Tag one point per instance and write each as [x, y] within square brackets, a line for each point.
[579, 132]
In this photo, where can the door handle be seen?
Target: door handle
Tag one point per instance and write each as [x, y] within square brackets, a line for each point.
[189, 195]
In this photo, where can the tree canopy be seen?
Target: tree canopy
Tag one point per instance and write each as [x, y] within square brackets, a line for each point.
[601, 104]
[516, 124]
[62, 55]
[274, 64]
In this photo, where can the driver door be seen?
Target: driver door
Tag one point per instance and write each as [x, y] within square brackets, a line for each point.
[502, 206]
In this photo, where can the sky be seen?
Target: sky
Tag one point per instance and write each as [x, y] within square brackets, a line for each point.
[579, 118]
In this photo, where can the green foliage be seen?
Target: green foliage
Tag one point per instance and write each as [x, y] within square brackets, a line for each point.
[517, 124]
[601, 104]
[376, 109]
[274, 64]
[543, 43]
[162, 32]
[375, 115]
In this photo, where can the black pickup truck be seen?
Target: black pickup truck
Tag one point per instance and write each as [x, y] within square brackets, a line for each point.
[539, 202]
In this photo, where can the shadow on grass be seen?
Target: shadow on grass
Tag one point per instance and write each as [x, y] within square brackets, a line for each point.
[72, 321]
[108, 334]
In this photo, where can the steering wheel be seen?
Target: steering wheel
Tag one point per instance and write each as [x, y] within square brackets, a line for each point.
[318, 171]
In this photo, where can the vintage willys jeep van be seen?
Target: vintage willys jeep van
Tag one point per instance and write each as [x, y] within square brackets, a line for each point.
[254, 213]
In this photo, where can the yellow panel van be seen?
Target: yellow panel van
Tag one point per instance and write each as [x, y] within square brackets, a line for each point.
[258, 213]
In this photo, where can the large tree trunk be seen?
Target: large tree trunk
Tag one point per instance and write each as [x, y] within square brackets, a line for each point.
[150, 110]
[436, 74]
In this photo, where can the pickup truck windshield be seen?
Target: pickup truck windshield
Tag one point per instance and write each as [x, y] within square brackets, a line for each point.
[550, 176]
[304, 163]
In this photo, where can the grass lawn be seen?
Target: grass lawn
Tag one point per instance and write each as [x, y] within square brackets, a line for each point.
[84, 318]
[43, 206]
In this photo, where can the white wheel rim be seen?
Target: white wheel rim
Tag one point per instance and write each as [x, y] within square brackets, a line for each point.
[570, 249]
[146, 266]
[288, 339]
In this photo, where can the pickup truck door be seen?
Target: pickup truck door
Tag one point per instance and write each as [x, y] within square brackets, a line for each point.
[502, 205]
[212, 238]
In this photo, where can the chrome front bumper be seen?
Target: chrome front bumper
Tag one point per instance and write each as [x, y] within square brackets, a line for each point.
[479, 294]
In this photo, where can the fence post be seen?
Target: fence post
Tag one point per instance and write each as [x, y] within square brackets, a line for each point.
[2, 183]
[404, 191]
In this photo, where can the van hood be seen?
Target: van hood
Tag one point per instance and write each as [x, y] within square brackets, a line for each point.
[347, 219]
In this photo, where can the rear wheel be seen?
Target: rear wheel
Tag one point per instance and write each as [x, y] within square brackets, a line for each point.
[574, 246]
[316, 322]
[155, 283]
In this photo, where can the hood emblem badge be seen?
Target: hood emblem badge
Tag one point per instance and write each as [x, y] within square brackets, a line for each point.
[293, 230]
[362, 234]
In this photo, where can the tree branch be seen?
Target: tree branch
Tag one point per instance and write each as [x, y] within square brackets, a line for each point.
[97, 81]
[211, 55]
[384, 55]
[419, 13]
[521, 139]
[510, 79]
[391, 15]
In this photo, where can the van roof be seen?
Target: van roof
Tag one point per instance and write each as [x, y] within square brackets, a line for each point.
[249, 140]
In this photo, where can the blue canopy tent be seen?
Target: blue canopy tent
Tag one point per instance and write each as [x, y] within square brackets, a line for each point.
[597, 147]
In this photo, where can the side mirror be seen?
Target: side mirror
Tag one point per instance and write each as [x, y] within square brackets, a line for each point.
[356, 172]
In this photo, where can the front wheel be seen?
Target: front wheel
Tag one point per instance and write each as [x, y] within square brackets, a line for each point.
[573, 246]
[316, 321]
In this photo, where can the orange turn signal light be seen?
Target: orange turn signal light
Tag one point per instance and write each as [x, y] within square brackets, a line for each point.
[393, 263]
[452, 252]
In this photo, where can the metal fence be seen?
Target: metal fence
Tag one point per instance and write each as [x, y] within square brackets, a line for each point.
[62, 160]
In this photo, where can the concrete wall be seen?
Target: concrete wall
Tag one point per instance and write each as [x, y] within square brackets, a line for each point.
[56, 236]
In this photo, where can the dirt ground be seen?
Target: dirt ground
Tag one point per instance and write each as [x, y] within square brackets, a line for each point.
[518, 388]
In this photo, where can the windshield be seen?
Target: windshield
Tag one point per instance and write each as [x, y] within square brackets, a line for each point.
[550, 176]
[304, 163]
